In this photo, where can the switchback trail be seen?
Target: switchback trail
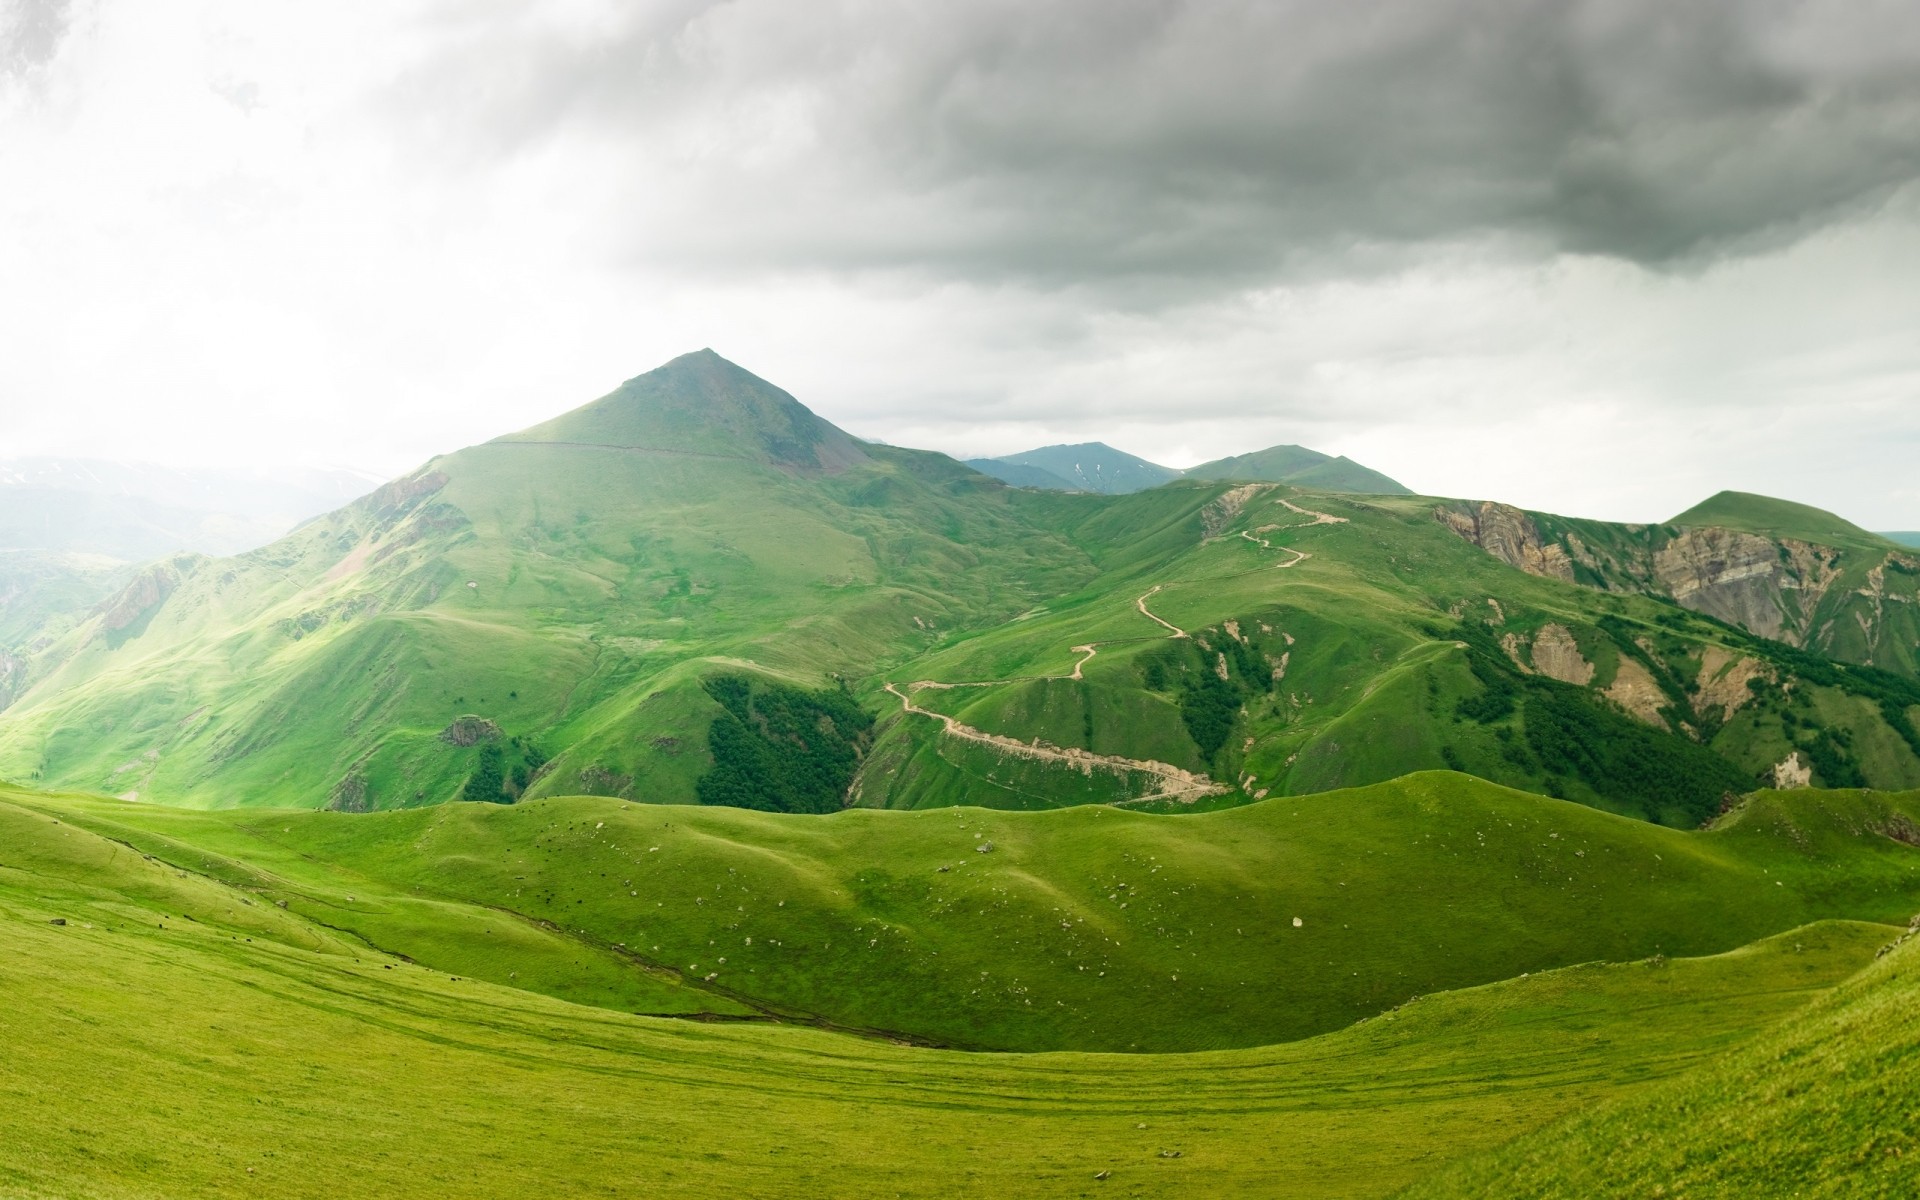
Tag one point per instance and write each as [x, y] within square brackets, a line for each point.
[1175, 783]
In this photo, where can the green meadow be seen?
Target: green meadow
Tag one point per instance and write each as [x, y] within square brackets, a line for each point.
[181, 1033]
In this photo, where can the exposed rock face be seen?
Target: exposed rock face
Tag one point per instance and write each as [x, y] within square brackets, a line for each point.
[146, 591]
[470, 731]
[13, 677]
[1725, 573]
[1557, 656]
[1724, 676]
[1790, 772]
[350, 795]
[1634, 689]
[1221, 512]
[1511, 536]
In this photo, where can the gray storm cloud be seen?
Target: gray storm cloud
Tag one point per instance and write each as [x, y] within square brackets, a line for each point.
[30, 32]
[1211, 143]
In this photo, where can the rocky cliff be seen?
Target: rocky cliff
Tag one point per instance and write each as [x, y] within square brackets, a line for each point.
[1855, 602]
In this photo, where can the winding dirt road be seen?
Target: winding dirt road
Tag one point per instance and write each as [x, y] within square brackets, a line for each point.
[1174, 782]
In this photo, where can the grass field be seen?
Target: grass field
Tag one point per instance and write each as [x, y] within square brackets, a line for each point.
[181, 1036]
[1080, 929]
[1825, 1106]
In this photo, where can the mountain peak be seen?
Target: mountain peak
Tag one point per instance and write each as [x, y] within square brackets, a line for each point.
[702, 404]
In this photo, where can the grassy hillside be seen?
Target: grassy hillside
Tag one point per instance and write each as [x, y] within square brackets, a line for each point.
[1093, 467]
[1782, 571]
[1774, 517]
[1823, 1106]
[1301, 467]
[260, 1050]
[1021, 475]
[1333, 641]
[1087, 928]
[568, 587]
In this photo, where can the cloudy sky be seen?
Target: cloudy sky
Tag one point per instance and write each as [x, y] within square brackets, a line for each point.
[1602, 258]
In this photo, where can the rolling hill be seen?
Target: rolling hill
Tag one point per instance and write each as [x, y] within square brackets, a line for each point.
[1079, 929]
[369, 1056]
[1300, 467]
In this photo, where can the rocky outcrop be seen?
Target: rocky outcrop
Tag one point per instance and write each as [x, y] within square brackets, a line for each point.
[1769, 586]
[13, 678]
[1511, 536]
[1790, 773]
[145, 592]
[1724, 680]
[1557, 656]
[1634, 689]
[470, 731]
[1219, 514]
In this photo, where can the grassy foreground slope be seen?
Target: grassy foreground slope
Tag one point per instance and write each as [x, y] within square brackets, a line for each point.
[1823, 1107]
[248, 1050]
[1089, 928]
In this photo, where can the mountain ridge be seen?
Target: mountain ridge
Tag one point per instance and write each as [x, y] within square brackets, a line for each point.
[1099, 468]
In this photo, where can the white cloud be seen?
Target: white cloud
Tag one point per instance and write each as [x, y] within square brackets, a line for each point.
[368, 232]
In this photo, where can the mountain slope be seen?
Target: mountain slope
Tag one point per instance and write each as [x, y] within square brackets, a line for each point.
[1777, 569]
[1775, 518]
[1021, 475]
[1303, 468]
[1097, 467]
[1252, 640]
[695, 590]
[545, 604]
[1093, 467]
[1820, 1107]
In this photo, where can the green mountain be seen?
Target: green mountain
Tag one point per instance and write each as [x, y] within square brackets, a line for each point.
[1097, 467]
[1087, 467]
[1769, 517]
[694, 590]
[1021, 475]
[1301, 467]
[1777, 569]
[1905, 539]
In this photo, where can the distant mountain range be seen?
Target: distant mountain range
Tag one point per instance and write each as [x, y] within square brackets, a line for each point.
[1098, 467]
[1907, 538]
[138, 511]
[696, 590]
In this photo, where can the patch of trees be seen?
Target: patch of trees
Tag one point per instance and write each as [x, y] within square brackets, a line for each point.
[1656, 775]
[778, 748]
[503, 771]
[1895, 695]
[1572, 734]
[1212, 675]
